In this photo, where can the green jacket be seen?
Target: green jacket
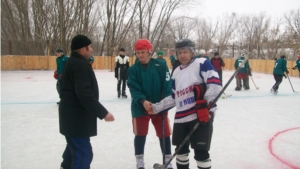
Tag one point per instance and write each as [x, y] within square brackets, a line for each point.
[280, 67]
[152, 83]
[298, 64]
[60, 63]
[245, 68]
[173, 59]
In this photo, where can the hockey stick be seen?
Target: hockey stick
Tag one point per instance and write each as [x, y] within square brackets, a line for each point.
[160, 166]
[163, 138]
[254, 83]
[291, 84]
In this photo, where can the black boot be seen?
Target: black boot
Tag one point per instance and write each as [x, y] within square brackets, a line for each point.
[124, 94]
[119, 93]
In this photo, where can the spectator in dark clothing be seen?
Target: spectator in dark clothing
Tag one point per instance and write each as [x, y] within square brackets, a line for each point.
[79, 106]
[218, 63]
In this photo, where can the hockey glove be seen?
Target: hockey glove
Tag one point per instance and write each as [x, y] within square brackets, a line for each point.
[249, 72]
[55, 74]
[294, 68]
[287, 72]
[201, 104]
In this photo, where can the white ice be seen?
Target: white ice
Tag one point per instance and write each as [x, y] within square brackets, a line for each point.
[252, 130]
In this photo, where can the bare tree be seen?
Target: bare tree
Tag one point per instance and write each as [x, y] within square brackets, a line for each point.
[31, 23]
[206, 33]
[226, 28]
[253, 27]
[292, 20]
[118, 18]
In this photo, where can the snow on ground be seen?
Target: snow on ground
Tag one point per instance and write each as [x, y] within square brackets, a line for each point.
[252, 130]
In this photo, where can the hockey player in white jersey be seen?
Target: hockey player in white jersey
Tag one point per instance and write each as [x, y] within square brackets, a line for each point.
[192, 106]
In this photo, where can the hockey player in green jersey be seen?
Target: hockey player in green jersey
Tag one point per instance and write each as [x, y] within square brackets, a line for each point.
[60, 63]
[297, 66]
[160, 55]
[278, 72]
[243, 74]
[149, 82]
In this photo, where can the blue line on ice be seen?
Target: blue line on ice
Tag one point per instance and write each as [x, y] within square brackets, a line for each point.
[129, 100]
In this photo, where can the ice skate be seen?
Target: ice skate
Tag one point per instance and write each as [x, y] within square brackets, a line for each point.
[140, 161]
[273, 91]
[167, 159]
[237, 89]
[124, 95]
[119, 93]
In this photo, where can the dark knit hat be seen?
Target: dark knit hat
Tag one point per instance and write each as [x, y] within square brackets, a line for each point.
[59, 50]
[80, 41]
[216, 53]
[122, 49]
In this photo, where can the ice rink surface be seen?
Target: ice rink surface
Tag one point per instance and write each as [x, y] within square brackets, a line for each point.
[253, 129]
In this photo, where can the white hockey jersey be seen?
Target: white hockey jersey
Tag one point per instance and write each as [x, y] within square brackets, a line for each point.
[184, 79]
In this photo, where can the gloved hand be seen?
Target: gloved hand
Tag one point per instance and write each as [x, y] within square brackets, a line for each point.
[202, 111]
[201, 104]
[294, 68]
[287, 72]
[249, 72]
[55, 74]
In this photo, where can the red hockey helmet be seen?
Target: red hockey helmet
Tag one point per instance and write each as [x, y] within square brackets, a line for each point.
[299, 57]
[143, 44]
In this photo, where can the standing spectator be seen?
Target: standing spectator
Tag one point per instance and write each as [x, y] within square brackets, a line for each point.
[278, 73]
[297, 66]
[148, 81]
[60, 63]
[243, 73]
[218, 63]
[79, 106]
[121, 68]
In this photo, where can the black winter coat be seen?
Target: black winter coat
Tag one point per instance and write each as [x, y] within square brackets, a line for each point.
[79, 106]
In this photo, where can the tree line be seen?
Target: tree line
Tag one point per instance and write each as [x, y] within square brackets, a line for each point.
[35, 27]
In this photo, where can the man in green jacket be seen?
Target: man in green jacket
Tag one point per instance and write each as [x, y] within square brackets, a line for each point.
[243, 74]
[60, 63]
[278, 72]
[149, 82]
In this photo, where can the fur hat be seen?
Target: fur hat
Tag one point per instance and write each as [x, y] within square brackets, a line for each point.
[80, 41]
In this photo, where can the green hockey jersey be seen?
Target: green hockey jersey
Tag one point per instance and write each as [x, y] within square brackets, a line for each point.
[280, 67]
[245, 68]
[151, 82]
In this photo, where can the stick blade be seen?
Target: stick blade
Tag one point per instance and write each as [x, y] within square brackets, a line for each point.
[158, 166]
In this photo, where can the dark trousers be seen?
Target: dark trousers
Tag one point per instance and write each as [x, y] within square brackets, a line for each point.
[123, 81]
[278, 80]
[220, 72]
[78, 153]
[58, 87]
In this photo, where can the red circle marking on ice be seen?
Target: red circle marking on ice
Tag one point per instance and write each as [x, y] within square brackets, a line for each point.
[271, 147]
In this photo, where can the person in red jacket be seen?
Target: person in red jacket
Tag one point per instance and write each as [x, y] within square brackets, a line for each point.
[218, 63]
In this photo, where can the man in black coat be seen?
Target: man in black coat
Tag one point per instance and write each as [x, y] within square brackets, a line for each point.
[79, 106]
